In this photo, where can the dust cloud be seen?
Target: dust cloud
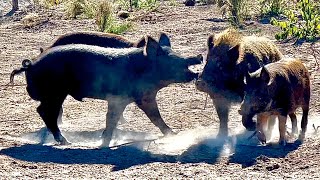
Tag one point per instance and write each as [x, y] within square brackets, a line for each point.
[184, 141]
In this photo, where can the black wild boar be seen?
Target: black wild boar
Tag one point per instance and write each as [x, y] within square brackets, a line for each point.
[97, 39]
[120, 76]
[278, 89]
[229, 56]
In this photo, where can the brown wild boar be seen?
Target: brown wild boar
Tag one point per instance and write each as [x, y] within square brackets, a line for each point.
[230, 56]
[120, 76]
[278, 89]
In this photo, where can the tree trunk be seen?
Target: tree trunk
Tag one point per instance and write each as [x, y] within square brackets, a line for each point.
[15, 6]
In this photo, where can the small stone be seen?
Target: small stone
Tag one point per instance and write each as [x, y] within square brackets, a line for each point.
[190, 2]
[273, 167]
[123, 14]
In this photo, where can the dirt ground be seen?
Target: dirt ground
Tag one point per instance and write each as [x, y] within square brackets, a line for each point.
[27, 151]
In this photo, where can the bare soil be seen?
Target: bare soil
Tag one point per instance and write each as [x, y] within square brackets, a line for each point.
[27, 150]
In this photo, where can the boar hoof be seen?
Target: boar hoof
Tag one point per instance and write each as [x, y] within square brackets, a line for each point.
[301, 136]
[282, 142]
[122, 121]
[169, 132]
[105, 143]
[268, 135]
[64, 141]
[294, 131]
[261, 137]
[222, 134]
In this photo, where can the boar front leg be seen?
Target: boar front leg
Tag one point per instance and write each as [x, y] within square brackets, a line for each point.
[116, 107]
[150, 107]
[60, 116]
[282, 129]
[262, 121]
[271, 123]
[294, 123]
[222, 107]
[49, 110]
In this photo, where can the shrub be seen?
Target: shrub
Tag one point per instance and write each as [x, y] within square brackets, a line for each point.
[272, 8]
[302, 26]
[139, 4]
[76, 8]
[106, 21]
[30, 20]
[235, 10]
[48, 3]
[148, 4]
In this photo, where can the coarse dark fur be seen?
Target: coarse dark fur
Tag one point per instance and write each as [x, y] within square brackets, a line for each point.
[229, 56]
[97, 39]
[94, 38]
[278, 89]
[120, 76]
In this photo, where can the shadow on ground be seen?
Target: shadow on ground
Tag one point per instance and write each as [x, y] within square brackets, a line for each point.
[204, 148]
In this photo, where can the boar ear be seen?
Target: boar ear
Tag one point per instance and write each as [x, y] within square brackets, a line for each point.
[265, 76]
[164, 40]
[152, 48]
[210, 41]
[233, 53]
[141, 43]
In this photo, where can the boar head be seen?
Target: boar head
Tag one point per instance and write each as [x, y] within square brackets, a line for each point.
[258, 96]
[219, 72]
[168, 66]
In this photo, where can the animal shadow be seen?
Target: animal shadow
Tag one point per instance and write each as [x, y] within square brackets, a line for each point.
[121, 157]
[247, 155]
[238, 148]
[206, 150]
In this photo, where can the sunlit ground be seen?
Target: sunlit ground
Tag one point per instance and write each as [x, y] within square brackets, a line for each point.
[171, 145]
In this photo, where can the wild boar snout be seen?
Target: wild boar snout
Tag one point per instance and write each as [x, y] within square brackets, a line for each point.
[195, 60]
[201, 84]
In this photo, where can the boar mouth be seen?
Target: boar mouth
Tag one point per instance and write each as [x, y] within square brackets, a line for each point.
[248, 123]
[190, 76]
[201, 85]
[195, 60]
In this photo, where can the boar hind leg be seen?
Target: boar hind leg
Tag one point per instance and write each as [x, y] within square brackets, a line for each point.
[304, 122]
[150, 107]
[305, 111]
[222, 107]
[116, 107]
[294, 123]
[49, 110]
[271, 123]
[60, 116]
[262, 120]
[282, 129]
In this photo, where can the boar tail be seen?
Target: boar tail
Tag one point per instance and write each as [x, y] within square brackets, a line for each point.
[25, 65]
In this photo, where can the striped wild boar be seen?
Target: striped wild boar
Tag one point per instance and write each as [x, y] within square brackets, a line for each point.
[120, 76]
[230, 56]
[278, 89]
